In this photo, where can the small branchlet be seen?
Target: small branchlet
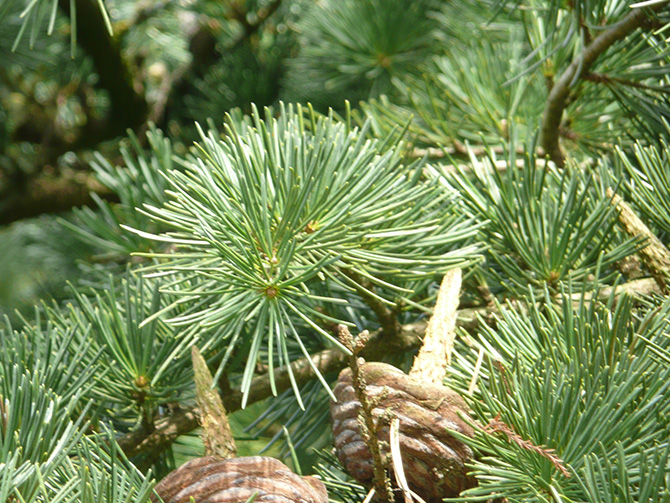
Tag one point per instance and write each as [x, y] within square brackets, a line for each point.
[382, 483]
[386, 316]
[498, 426]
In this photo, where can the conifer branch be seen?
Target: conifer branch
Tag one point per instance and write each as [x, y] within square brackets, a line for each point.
[204, 53]
[386, 317]
[409, 338]
[128, 108]
[557, 100]
[184, 420]
[167, 429]
[461, 150]
[249, 28]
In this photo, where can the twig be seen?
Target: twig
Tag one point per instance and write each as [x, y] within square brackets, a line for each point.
[184, 420]
[369, 496]
[430, 365]
[503, 375]
[642, 287]
[498, 426]
[167, 429]
[500, 165]
[655, 255]
[367, 423]
[216, 433]
[462, 151]
[603, 78]
[386, 317]
[557, 100]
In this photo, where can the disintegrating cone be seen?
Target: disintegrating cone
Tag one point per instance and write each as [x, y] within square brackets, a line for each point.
[433, 459]
[213, 480]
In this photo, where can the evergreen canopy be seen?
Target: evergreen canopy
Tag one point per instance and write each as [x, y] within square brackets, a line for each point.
[291, 166]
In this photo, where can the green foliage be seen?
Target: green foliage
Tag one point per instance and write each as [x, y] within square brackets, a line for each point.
[470, 92]
[272, 219]
[99, 473]
[49, 373]
[246, 73]
[57, 358]
[256, 241]
[37, 258]
[625, 87]
[137, 182]
[340, 488]
[307, 424]
[147, 361]
[546, 226]
[576, 380]
[256, 82]
[352, 49]
[496, 73]
[38, 13]
[456, 103]
[650, 181]
[43, 387]
[32, 401]
[629, 478]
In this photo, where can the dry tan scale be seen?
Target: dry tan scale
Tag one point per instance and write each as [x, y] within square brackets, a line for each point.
[213, 480]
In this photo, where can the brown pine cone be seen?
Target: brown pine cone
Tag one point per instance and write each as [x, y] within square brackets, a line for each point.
[433, 459]
[213, 480]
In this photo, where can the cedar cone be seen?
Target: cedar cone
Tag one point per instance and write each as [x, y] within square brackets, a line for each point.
[433, 459]
[235, 480]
